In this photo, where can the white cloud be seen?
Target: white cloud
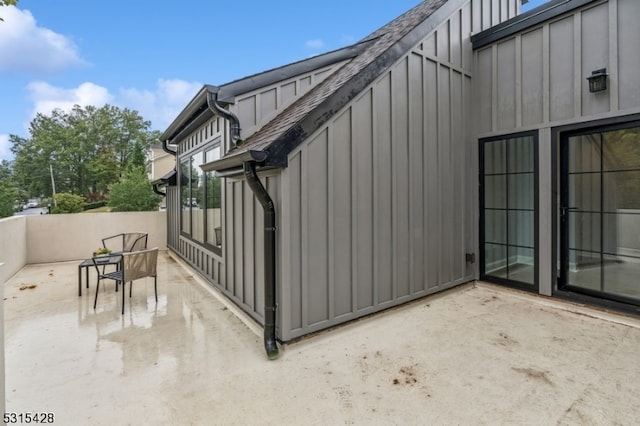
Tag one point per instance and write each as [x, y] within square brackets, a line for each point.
[26, 47]
[315, 44]
[5, 148]
[160, 105]
[46, 97]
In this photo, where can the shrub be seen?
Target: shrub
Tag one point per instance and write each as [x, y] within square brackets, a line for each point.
[133, 193]
[67, 203]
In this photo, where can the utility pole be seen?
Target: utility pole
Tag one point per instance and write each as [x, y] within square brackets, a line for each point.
[53, 185]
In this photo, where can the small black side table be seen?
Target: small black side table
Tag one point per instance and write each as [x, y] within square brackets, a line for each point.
[86, 264]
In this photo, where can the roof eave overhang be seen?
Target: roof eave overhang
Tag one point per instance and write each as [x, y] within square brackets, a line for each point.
[525, 21]
[197, 110]
[229, 91]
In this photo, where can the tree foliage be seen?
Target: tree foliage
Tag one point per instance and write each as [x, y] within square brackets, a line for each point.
[8, 191]
[133, 192]
[88, 149]
[8, 3]
[67, 203]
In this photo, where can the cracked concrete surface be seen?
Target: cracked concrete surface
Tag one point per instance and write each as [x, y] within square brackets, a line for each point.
[478, 354]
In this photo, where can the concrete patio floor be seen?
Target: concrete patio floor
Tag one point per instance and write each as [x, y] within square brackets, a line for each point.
[477, 354]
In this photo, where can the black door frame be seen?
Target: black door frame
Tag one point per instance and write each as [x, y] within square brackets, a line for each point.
[483, 276]
[560, 137]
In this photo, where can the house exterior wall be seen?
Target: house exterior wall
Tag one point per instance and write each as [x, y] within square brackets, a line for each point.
[257, 107]
[536, 80]
[237, 269]
[372, 209]
[378, 205]
[160, 162]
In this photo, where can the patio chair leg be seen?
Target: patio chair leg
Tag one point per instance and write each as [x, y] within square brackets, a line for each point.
[95, 300]
[123, 284]
[155, 287]
[130, 287]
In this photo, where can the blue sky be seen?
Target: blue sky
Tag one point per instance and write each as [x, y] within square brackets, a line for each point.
[154, 56]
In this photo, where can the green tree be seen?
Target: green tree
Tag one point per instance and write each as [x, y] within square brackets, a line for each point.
[8, 3]
[67, 203]
[88, 148]
[133, 192]
[8, 190]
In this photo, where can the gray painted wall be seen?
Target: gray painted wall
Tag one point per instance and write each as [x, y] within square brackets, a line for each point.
[258, 107]
[379, 206]
[375, 209]
[536, 79]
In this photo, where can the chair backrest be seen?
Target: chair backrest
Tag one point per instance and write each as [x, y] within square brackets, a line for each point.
[134, 241]
[140, 264]
[125, 242]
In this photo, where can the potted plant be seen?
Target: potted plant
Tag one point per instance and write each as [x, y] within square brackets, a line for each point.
[102, 251]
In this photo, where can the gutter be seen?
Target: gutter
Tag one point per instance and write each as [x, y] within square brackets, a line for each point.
[270, 344]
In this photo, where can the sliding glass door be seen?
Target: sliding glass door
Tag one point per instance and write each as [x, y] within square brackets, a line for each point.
[508, 214]
[600, 213]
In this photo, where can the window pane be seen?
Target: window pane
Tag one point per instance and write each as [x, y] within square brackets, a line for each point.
[521, 188]
[185, 194]
[495, 157]
[214, 202]
[521, 265]
[521, 228]
[495, 226]
[621, 190]
[495, 260]
[622, 149]
[197, 197]
[584, 153]
[584, 189]
[495, 192]
[520, 155]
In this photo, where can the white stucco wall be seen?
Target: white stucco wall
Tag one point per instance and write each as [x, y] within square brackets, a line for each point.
[2, 389]
[63, 237]
[13, 244]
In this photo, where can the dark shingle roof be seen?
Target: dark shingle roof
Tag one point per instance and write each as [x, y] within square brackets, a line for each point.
[287, 130]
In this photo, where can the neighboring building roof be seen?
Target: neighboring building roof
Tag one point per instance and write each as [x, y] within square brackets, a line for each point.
[383, 48]
[526, 20]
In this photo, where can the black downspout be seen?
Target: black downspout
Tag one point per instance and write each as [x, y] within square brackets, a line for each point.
[165, 148]
[234, 122]
[270, 344]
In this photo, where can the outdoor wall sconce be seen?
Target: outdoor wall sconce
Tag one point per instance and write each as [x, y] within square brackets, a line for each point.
[598, 80]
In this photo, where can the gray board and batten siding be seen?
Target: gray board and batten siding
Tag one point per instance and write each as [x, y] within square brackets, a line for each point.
[377, 206]
[532, 76]
[234, 271]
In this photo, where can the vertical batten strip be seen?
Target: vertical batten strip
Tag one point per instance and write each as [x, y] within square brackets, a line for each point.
[546, 96]
[577, 65]
[494, 87]
[613, 56]
[331, 232]
[304, 235]
[518, 79]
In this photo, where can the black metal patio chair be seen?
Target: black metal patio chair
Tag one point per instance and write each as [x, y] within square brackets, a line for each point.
[125, 242]
[133, 266]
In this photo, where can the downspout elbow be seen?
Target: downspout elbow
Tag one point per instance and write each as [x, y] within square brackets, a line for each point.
[165, 148]
[234, 122]
[157, 191]
[270, 343]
